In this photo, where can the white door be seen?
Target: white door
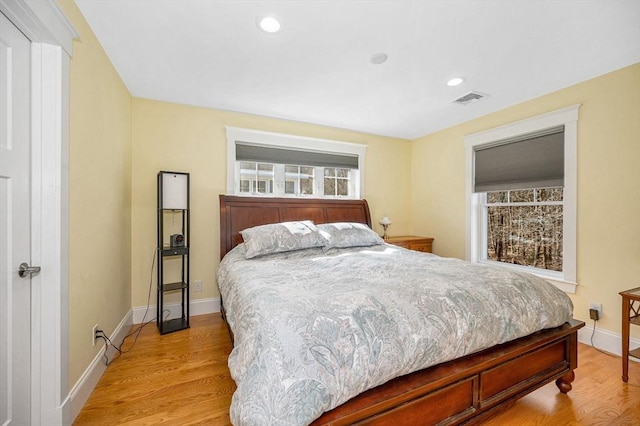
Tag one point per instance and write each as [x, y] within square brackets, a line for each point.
[15, 292]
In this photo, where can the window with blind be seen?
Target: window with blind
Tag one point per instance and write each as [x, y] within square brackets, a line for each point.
[521, 193]
[280, 165]
[522, 182]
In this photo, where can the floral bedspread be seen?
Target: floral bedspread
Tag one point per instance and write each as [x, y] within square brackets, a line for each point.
[314, 329]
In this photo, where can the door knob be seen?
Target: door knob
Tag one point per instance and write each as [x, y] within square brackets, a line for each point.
[25, 269]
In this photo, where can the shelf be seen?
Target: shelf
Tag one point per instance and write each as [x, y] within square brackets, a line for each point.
[635, 353]
[174, 286]
[174, 251]
[174, 325]
[635, 320]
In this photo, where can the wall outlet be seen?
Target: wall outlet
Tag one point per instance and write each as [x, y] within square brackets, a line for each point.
[197, 285]
[597, 307]
[93, 335]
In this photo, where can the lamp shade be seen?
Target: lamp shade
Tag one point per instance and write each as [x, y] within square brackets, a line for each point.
[174, 191]
[385, 221]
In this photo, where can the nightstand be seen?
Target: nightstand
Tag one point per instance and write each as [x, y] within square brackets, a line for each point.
[423, 244]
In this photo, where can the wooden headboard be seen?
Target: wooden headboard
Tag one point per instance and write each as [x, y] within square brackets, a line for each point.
[238, 213]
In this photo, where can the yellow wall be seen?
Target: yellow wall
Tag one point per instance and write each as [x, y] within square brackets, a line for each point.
[100, 196]
[181, 138]
[118, 144]
[608, 253]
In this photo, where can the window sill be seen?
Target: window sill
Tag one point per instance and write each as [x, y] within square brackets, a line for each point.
[553, 278]
[313, 196]
[566, 286]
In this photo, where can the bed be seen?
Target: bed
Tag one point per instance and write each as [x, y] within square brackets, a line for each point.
[463, 389]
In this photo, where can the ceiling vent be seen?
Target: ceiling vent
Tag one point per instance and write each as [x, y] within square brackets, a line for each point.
[469, 98]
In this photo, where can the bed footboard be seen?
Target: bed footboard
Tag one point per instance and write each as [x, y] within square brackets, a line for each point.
[470, 389]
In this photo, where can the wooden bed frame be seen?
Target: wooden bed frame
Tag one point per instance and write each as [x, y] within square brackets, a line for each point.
[467, 390]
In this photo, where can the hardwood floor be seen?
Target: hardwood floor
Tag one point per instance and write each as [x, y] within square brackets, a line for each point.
[182, 379]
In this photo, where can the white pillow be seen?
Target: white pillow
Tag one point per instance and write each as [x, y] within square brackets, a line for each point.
[281, 237]
[349, 234]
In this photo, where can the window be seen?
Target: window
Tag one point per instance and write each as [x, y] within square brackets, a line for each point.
[256, 177]
[336, 182]
[298, 180]
[521, 196]
[524, 227]
[279, 165]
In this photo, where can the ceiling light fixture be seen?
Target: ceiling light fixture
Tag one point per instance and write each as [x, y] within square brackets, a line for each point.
[268, 24]
[378, 58]
[455, 81]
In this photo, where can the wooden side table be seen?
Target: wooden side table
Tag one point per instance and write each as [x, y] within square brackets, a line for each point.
[423, 244]
[630, 315]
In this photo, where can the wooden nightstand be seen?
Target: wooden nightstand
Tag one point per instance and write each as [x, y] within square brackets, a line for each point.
[423, 244]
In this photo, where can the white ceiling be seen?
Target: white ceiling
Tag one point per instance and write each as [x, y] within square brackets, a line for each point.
[210, 53]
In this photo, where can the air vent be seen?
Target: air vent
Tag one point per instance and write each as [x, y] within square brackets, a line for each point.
[469, 98]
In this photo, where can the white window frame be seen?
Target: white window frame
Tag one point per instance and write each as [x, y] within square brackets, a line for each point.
[281, 140]
[475, 216]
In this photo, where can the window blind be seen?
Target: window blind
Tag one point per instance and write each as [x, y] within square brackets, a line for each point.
[268, 154]
[528, 161]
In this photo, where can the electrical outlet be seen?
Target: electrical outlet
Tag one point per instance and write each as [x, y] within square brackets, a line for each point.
[198, 285]
[93, 335]
[597, 307]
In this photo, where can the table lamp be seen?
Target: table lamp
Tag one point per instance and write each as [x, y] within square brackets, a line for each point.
[385, 222]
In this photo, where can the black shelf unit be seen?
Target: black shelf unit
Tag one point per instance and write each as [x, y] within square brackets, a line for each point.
[173, 198]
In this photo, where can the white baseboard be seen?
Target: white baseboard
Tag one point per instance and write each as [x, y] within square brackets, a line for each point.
[89, 379]
[196, 307]
[605, 340]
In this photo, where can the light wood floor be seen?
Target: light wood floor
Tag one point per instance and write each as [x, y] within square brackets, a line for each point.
[182, 378]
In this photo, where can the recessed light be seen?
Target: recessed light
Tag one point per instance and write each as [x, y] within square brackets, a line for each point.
[455, 81]
[269, 24]
[379, 58]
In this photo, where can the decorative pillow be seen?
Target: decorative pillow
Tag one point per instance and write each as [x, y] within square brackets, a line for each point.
[347, 234]
[280, 237]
